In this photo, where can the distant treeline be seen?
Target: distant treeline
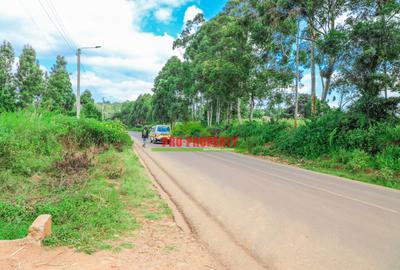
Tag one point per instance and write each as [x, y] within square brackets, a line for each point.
[30, 86]
[242, 63]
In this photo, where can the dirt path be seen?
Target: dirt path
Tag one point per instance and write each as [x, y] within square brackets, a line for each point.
[156, 245]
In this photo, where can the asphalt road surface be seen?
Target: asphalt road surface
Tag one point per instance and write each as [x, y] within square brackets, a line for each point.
[284, 217]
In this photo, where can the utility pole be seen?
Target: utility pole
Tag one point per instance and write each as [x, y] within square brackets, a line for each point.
[102, 111]
[78, 84]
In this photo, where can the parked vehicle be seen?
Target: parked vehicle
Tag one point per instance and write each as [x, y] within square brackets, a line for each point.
[159, 133]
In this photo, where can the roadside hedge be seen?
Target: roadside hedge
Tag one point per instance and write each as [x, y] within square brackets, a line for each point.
[33, 141]
[353, 147]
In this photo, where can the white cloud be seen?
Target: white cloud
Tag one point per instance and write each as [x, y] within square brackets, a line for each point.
[163, 15]
[305, 87]
[191, 12]
[111, 90]
[115, 25]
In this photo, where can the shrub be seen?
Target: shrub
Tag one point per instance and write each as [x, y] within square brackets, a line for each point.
[389, 158]
[190, 129]
[260, 150]
[372, 139]
[341, 156]
[33, 141]
[311, 140]
[359, 160]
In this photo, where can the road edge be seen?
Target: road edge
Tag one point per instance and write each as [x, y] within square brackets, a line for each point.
[216, 239]
[177, 214]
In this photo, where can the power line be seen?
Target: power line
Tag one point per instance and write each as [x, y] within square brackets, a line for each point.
[55, 25]
[60, 22]
[33, 20]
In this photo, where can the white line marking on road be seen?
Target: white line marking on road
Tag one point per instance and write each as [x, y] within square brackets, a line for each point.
[309, 186]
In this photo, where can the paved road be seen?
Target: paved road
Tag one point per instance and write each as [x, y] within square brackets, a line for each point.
[290, 218]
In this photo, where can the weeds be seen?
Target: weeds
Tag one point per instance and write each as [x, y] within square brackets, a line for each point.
[331, 143]
[82, 172]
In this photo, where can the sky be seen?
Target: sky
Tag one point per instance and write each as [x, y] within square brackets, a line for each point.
[136, 38]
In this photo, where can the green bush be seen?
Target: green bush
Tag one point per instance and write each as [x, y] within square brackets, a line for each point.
[33, 141]
[389, 159]
[311, 140]
[359, 160]
[190, 129]
[341, 156]
[333, 140]
[58, 165]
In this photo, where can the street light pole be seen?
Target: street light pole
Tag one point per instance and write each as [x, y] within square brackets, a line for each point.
[102, 110]
[78, 84]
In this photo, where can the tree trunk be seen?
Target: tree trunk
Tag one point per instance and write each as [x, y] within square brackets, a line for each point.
[330, 69]
[218, 112]
[211, 114]
[327, 84]
[229, 112]
[193, 110]
[239, 115]
[385, 71]
[313, 90]
[208, 117]
[296, 105]
[251, 106]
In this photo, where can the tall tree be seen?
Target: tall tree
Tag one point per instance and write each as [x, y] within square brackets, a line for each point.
[59, 94]
[89, 109]
[331, 38]
[29, 78]
[142, 110]
[373, 56]
[168, 101]
[7, 83]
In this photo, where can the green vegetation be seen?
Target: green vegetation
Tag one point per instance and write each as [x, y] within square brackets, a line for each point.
[29, 86]
[82, 172]
[244, 62]
[240, 76]
[190, 129]
[136, 114]
[327, 144]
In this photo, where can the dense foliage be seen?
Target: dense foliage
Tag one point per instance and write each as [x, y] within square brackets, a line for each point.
[33, 141]
[243, 61]
[30, 86]
[62, 166]
[136, 113]
[328, 142]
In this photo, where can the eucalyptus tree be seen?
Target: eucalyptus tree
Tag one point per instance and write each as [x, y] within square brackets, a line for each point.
[329, 26]
[169, 104]
[29, 78]
[271, 30]
[89, 109]
[59, 95]
[142, 110]
[219, 55]
[373, 56]
[7, 82]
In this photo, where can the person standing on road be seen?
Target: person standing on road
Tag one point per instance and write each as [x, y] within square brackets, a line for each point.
[145, 135]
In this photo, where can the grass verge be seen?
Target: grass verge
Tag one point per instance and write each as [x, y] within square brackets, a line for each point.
[87, 216]
[82, 172]
[329, 167]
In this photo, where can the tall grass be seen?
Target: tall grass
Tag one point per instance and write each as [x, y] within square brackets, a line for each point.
[70, 169]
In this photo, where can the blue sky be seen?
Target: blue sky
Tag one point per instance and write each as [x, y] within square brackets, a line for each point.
[174, 27]
[136, 37]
